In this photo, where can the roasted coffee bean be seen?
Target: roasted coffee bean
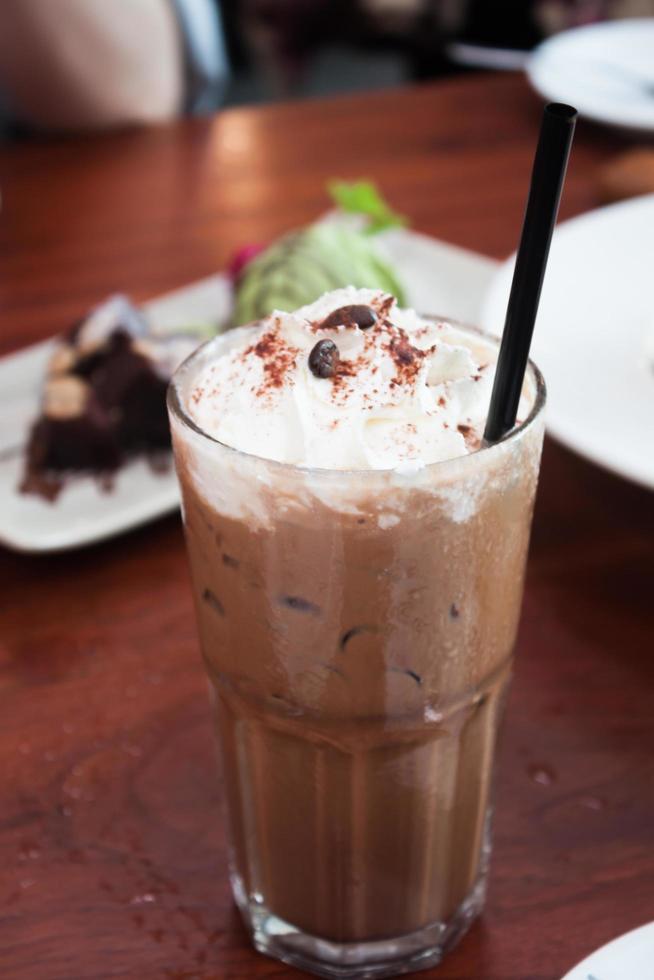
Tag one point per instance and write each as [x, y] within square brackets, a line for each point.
[324, 358]
[351, 316]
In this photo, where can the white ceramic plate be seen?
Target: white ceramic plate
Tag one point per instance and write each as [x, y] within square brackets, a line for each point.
[594, 323]
[631, 957]
[439, 278]
[83, 512]
[605, 70]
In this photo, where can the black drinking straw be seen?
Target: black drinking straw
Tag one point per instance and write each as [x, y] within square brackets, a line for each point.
[547, 178]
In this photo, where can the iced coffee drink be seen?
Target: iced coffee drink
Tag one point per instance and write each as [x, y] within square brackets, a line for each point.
[357, 557]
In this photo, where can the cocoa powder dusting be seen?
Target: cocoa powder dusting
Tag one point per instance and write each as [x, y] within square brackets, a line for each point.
[383, 308]
[406, 357]
[346, 369]
[472, 440]
[278, 359]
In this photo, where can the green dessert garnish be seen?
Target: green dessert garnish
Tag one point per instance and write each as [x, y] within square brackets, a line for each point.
[301, 266]
[362, 197]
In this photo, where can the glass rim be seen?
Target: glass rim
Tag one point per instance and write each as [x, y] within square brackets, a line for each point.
[178, 411]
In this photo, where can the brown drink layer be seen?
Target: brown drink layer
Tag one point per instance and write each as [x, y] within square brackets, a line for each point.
[358, 663]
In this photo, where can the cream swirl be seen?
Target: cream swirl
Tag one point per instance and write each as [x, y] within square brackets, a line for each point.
[401, 393]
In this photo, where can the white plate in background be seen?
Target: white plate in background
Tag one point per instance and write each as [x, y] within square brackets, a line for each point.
[439, 278]
[605, 70]
[83, 512]
[630, 957]
[594, 328]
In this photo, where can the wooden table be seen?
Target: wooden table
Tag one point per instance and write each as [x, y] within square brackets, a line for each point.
[111, 838]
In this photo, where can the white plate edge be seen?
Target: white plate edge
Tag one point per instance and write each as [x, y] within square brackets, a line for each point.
[643, 478]
[580, 971]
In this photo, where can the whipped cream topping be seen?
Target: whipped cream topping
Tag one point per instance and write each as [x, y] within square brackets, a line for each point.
[400, 394]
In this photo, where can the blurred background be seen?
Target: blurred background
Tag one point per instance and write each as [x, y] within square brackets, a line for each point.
[88, 64]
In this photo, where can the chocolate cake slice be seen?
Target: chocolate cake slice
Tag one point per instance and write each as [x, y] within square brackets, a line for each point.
[104, 397]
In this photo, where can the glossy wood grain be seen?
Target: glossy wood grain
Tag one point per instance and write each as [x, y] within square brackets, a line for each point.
[111, 837]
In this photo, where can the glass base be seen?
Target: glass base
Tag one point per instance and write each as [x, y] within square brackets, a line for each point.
[346, 961]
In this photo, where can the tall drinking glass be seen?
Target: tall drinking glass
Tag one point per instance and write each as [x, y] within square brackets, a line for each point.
[357, 629]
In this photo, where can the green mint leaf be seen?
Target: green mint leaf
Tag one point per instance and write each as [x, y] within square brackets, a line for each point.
[362, 197]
